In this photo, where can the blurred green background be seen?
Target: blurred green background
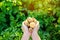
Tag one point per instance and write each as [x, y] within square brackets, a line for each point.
[14, 12]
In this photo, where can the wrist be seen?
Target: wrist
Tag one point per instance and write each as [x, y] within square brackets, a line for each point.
[26, 33]
[25, 36]
[35, 32]
[35, 36]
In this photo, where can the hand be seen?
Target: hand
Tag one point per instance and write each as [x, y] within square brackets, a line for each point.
[35, 30]
[25, 28]
[35, 35]
[26, 34]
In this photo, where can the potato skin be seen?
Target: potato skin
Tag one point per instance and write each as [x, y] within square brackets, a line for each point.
[34, 20]
[29, 19]
[32, 24]
[26, 23]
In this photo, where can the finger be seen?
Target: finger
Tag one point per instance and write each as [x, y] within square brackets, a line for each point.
[37, 23]
[24, 26]
[37, 26]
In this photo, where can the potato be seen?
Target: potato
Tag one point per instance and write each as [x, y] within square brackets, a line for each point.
[34, 20]
[30, 30]
[32, 24]
[26, 23]
[29, 19]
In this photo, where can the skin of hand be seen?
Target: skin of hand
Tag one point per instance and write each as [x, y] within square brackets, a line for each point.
[26, 34]
[35, 35]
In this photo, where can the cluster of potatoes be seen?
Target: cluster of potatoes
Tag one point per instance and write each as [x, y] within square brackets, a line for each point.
[30, 23]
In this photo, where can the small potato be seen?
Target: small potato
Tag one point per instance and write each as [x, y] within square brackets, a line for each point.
[26, 23]
[32, 24]
[29, 19]
[34, 20]
[30, 30]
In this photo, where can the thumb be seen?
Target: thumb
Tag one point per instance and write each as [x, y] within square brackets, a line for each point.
[37, 26]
